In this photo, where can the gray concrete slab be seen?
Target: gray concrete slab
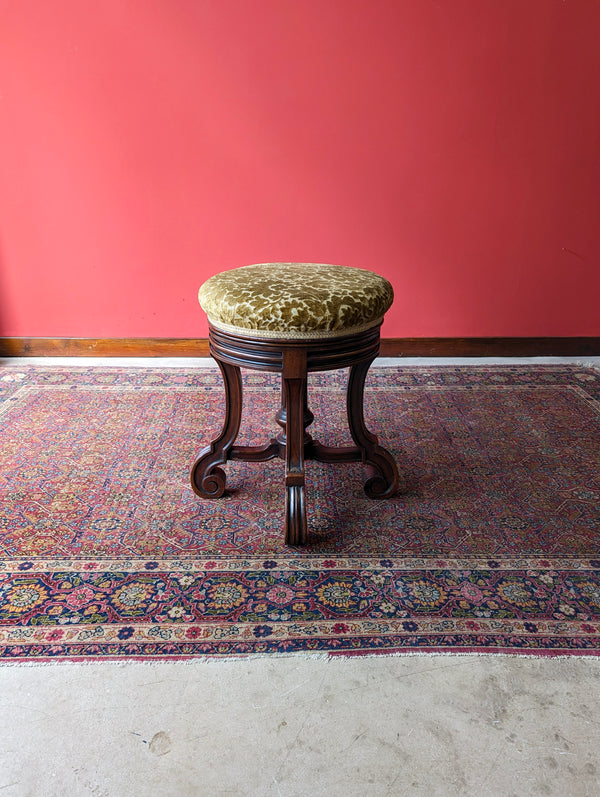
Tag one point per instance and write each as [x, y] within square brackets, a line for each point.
[294, 726]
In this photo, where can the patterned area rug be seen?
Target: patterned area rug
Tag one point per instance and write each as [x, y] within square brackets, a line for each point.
[106, 552]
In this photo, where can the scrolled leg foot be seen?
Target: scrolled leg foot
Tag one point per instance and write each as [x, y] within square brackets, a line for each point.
[383, 475]
[208, 481]
[382, 481]
[295, 516]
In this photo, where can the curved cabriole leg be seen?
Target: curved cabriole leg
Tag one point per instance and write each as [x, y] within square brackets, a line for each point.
[208, 480]
[383, 478]
[293, 382]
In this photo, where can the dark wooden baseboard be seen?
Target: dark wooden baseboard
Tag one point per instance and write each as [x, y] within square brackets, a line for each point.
[104, 347]
[490, 347]
[390, 347]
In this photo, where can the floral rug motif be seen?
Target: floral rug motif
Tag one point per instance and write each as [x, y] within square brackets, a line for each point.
[493, 545]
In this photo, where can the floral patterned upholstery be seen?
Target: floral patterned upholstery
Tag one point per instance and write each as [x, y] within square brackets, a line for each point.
[295, 300]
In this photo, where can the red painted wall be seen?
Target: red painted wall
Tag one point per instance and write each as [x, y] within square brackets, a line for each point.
[451, 145]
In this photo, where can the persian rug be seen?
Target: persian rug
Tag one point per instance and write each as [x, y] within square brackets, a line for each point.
[493, 545]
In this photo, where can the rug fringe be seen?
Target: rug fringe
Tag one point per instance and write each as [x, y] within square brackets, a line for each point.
[322, 657]
[589, 364]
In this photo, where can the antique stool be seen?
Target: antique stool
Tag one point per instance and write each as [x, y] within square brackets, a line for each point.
[293, 318]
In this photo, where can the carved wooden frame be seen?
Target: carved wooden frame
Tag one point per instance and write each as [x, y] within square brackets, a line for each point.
[294, 359]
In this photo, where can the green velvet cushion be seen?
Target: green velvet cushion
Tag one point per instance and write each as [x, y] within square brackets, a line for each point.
[295, 300]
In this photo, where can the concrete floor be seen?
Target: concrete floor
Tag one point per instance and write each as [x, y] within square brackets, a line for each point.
[301, 725]
[420, 725]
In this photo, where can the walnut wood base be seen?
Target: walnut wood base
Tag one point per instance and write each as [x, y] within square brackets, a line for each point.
[294, 360]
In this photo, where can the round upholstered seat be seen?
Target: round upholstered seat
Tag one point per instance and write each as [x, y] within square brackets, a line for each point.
[295, 300]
